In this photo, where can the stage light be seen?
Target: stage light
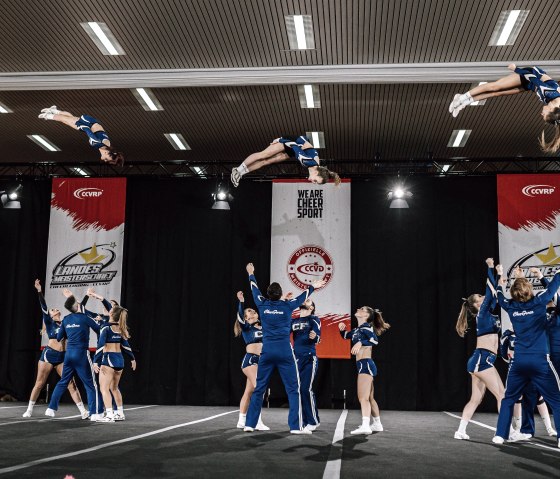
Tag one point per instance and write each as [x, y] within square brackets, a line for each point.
[10, 199]
[222, 197]
[398, 197]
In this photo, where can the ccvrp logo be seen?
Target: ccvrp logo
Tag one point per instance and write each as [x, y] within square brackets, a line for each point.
[537, 190]
[86, 193]
[308, 264]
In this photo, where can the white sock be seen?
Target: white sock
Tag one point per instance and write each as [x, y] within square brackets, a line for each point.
[49, 116]
[109, 413]
[466, 98]
[547, 423]
[365, 421]
[81, 407]
[120, 409]
[516, 422]
[242, 169]
[376, 420]
[32, 403]
[463, 426]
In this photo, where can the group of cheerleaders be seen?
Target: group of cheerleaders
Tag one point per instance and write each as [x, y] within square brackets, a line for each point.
[281, 149]
[107, 362]
[531, 347]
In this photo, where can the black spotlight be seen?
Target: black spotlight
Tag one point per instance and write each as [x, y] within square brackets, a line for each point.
[222, 197]
[10, 199]
[398, 197]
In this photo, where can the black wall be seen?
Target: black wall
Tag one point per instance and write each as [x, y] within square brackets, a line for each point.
[185, 262]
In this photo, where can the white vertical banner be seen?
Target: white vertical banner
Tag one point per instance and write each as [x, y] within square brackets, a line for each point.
[529, 226]
[86, 236]
[311, 241]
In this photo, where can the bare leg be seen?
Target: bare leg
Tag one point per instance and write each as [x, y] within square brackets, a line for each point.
[67, 119]
[105, 381]
[374, 406]
[484, 96]
[365, 382]
[43, 371]
[72, 388]
[267, 153]
[251, 373]
[478, 390]
[493, 382]
[510, 83]
[117, 375]
[278, 158]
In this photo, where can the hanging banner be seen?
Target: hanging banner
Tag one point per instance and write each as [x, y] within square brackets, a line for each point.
[311, 241]
[529, 226]
[86, 236]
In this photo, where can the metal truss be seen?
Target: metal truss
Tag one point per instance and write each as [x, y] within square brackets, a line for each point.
[345, 168]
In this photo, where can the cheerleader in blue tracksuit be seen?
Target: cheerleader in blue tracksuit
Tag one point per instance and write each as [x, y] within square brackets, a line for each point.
[527, 313]
[306, 332]
[109, 361]
[532, 79]
[75, 329]
[481, 364]
[51, 357]
[282, 149]
[248, 325]
[277, 352]
[370, 326]
[97, 137]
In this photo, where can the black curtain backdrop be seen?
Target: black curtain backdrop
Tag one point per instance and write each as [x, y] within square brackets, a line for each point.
[184, 263]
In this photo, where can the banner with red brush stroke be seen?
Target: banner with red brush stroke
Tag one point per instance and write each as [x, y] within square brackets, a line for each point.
[86, 238]
[310, 240]
[529, 225]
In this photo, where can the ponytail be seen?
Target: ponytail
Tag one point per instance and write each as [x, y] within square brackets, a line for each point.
[377, 321]
[553, 145]
[467, 310]
[120, 315]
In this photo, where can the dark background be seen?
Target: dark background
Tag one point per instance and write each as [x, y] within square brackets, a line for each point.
[184, 262]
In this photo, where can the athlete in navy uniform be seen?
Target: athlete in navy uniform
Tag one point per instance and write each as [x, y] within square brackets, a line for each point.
[109, 361]
[370, 326]
[75, 329]
[97, 137]
[51, 357]
[277, 352]
[527, 313]
[247, 324]
[306, 331]
[523, 79]
[280, 150]
[481, 363]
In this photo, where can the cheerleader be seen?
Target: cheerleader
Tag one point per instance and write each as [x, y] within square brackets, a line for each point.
[523, 79]
[370, 326]
[108, 361]
[306, 331]
[280, 150]
[52, 357]
[481, 364]
[527, 313]
[98, 138]
[248, 325]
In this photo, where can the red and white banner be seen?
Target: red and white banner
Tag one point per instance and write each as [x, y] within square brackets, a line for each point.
[529, 225]
[311, 241]
[86, 238]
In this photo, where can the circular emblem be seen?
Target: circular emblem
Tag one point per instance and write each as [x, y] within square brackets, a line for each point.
[308, 264]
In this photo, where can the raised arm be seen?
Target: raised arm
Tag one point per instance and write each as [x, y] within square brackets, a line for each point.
[257, 295]
[489, 302]
[61, 332]
[93, 324]
[44, 309]
[345, 334]
[502, 301]
[552, 288]
[302, 298]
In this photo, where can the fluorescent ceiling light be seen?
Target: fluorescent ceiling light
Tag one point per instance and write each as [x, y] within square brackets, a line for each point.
[103, 38]
[147, 99]
[80, 172]
[309, 96]
[445, 168]
[458, 138]
[43, 142]
[317, 138]
[4, 109]
[199, 171]
[300, 32]
[178, 141]
[508, 27]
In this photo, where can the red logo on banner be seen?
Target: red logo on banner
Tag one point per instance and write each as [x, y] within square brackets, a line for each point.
[91, 202]
[308, 264]
[527, 201]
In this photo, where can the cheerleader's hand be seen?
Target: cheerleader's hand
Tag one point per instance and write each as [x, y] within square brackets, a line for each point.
[133, 365]
[96, 368]
[342, 326]
[356, 348]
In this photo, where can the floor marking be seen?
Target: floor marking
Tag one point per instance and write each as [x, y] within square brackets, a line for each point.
[109, 444]
[334, 463]
[27, 421]
[10, 407]
[481, 424]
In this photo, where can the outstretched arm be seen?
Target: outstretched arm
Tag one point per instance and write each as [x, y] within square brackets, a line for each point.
[502, 301]
[257, 295]
[302, 298]
[552, 288]
[345, 334]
